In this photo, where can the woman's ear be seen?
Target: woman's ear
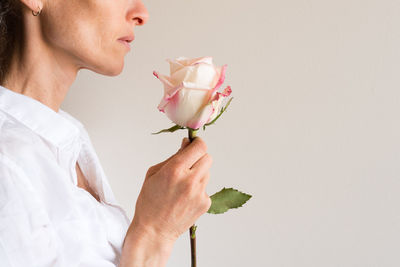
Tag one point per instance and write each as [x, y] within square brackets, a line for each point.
[34, 5]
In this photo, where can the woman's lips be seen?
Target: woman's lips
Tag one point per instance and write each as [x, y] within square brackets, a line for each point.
[125, 43]
[126, 40]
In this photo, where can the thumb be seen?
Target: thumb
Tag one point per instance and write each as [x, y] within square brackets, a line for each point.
[185, 142]
[155, 168]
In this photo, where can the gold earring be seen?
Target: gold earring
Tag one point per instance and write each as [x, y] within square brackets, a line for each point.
[36, 13]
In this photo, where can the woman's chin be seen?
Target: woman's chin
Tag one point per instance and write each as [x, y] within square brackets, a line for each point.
[113, 68]
[115, 71]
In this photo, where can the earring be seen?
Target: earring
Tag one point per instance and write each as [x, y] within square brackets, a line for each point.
[36, 13]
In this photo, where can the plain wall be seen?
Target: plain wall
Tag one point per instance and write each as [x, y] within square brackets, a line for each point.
[312, 132]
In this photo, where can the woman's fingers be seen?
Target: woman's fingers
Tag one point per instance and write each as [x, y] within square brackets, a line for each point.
[185, 142]
[190, 154]
[202, 168]
[177, 184]
[204, 181]
[157, 167]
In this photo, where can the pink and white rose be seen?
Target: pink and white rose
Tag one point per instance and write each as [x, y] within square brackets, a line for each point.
[191, 98]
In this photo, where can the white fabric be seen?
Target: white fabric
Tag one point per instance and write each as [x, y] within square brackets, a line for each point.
[45, 218]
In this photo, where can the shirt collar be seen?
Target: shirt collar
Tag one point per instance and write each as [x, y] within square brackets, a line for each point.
[59, 128]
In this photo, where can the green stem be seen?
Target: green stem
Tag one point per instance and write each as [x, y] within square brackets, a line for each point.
[192, 230]
[192, 134]
[192, 234]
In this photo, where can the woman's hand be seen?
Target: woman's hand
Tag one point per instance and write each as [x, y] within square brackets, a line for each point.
[173, 194]
[172, 198]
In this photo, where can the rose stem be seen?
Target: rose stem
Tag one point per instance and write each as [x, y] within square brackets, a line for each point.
[192, 134]
[192, 231]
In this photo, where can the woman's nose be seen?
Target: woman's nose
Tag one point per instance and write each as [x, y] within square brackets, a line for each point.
[138, 13]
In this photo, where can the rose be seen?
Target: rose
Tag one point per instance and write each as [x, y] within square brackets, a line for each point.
[191, 100]
[190, 96]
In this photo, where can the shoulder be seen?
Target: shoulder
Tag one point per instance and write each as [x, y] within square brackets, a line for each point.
[9, 169]
[12, 128]
[13, 182]
[71, 118]
[77, 123]
[26, 230]
[16, 140]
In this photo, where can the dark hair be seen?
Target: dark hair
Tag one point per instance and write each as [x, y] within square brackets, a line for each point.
[11, 33]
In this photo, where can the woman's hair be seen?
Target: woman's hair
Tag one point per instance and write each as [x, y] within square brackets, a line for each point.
[11, 33]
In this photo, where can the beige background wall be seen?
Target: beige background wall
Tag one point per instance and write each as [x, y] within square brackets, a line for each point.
[312, 133]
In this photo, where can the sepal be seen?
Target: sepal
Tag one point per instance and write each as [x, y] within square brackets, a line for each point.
[171, 130]
[220, 113]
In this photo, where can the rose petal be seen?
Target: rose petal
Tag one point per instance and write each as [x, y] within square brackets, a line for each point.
[210, 111]
[164, 79]
[174, 66]
[191, 96]
[168, 96]
[181, 74]
[226, 92]
[185, 104]
[217, 101]
[188, 103]
[221, 79]
[205, 60]
[202, 74]
[169, 90]
[218, 71]
[191, 61]
[202, 117]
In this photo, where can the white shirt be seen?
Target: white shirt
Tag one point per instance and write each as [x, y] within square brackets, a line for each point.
[45, 218]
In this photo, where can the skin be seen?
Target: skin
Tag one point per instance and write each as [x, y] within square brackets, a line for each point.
[82, 34]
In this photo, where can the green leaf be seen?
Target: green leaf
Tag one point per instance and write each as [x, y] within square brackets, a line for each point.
[220, 113]
[227, 198]
[171, 130]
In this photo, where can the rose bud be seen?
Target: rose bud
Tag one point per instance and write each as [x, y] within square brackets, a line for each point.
[191, 98]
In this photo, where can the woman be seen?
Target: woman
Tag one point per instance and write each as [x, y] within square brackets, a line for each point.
[56, 206]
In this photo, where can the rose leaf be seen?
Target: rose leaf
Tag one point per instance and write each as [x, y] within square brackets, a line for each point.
[227, 198]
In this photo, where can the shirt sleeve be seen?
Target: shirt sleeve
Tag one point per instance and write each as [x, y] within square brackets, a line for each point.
[27, 237]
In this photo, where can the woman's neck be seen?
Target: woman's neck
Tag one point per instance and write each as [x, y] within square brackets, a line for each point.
[40, 72]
